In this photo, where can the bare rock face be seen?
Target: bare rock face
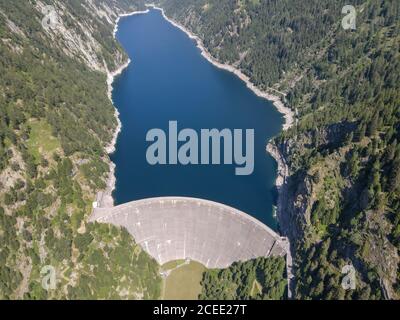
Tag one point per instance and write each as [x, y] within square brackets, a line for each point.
[86, 37]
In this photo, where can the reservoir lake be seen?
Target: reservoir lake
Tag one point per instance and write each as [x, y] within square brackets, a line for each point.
[169, 80]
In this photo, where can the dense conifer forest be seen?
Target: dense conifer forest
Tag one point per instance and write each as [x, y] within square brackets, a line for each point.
[262, 278]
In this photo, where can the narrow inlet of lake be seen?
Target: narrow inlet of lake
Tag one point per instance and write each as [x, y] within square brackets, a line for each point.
[169, 80]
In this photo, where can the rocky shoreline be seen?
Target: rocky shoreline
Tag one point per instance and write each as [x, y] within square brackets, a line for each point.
[277, 101]
[280, 183]
[104, 198]
[126, 15]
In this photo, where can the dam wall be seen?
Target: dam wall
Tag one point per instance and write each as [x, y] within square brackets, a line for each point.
[175, 228]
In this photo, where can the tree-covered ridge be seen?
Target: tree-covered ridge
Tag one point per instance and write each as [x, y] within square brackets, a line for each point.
[261, 278]
[55, 121]
[266, 38]
[345, 146]
[342, 197]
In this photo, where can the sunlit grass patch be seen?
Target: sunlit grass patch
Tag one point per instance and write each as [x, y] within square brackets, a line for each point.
[41, 142]
[183, 283]
[256, 289]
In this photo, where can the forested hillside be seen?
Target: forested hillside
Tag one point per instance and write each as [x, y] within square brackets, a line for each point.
[340, 204]
[55, 121]
[261, 278]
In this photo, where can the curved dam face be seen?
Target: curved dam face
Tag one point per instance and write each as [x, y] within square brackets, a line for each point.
[174, 228]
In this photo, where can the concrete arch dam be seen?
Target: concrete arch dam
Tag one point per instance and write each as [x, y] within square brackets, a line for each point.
[175, 228]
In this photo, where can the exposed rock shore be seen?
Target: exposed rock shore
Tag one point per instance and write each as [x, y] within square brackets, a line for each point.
[104, 198]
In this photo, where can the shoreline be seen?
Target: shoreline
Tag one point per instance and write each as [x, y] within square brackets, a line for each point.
[111, 75]
[110, 149]
[287, 113]
[104, 197]
[126, 15]
[282, 174]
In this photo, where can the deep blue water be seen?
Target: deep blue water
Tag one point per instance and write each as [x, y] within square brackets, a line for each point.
[168, 80]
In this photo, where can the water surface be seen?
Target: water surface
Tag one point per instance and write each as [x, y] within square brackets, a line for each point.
[169, 80]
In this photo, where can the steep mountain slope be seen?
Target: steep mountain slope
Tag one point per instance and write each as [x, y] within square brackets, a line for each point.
[339, 203]
[55, 122]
